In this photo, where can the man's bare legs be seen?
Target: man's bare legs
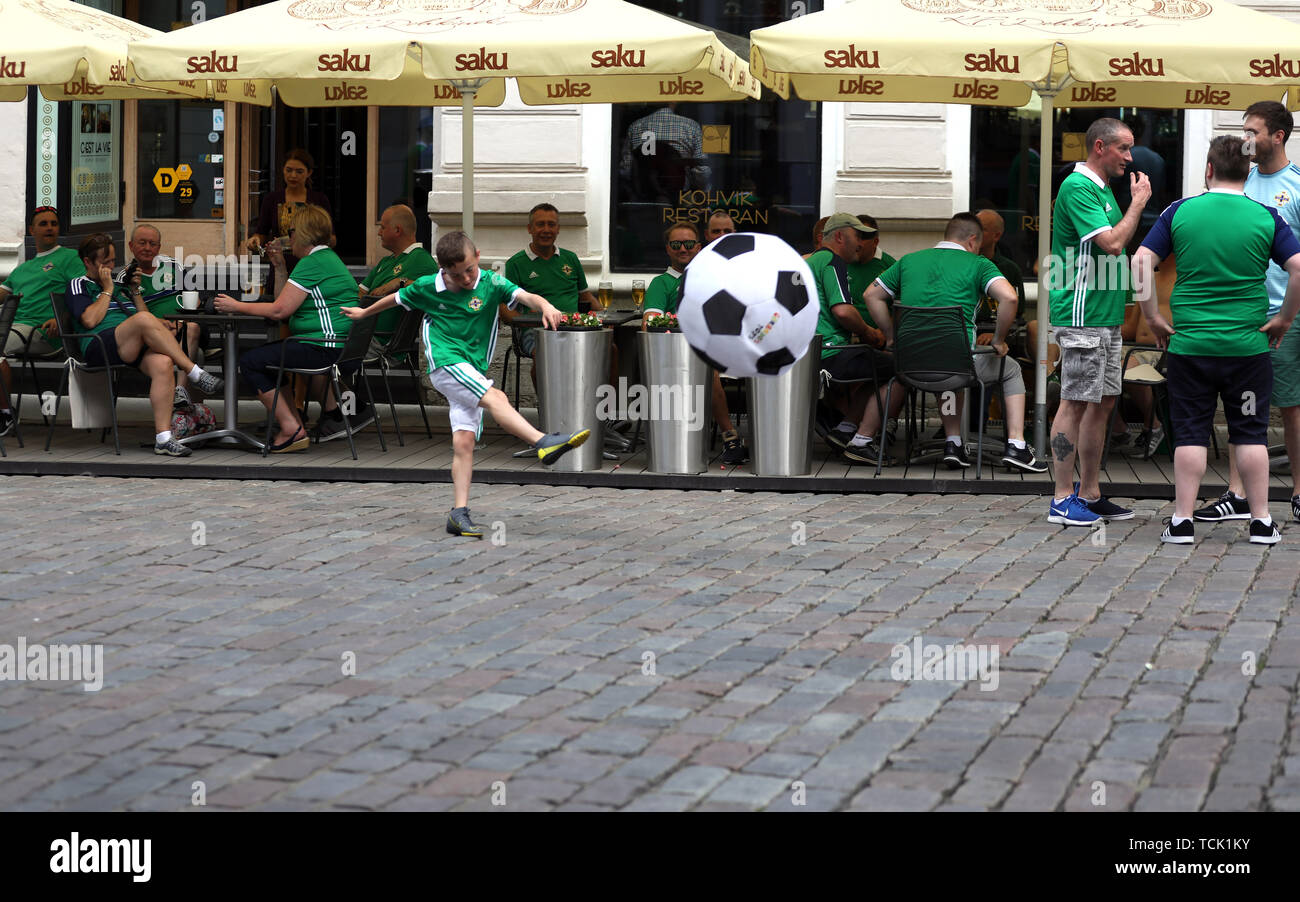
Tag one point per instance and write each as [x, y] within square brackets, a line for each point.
[1291, 434]
[1078, 432]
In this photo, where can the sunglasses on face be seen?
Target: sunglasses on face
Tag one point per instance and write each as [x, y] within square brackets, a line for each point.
[688, 244]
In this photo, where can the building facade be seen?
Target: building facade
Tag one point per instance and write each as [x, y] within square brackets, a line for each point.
[775, 165]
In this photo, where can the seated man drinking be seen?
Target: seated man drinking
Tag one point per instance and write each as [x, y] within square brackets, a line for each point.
[130, 334]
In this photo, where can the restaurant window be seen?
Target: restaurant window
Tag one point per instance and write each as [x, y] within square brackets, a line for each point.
[406, 164]
[761, 158]
[180, 144]
[1005, 159]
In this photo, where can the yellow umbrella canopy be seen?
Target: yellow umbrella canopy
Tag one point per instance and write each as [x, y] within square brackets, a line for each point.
[75, 52]
[1086, 53]
[1151, 53]
[440, 52]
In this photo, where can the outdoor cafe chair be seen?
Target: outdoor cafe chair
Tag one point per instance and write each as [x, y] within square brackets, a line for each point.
[401, 350]
[77, 362]
[7, 312]
[933, 355]
[28, 360]
[352, 356]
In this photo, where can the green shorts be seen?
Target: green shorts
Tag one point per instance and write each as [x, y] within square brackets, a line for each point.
[1286, 370]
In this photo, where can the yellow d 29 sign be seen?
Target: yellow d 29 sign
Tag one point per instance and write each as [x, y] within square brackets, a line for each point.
[166, 178]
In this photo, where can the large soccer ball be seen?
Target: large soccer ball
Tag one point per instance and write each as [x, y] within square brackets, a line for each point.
[749, 306]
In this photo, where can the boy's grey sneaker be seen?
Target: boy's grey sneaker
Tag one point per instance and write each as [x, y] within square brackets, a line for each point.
[552, 447]
[459, 524]
[209, 384]
[181, 398]
[1228, 507]
[171, 448]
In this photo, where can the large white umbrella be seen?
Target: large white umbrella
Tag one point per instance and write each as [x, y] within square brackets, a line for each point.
[427, 52]
[1071, 53]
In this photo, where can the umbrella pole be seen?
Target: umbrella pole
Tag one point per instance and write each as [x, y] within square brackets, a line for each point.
[467, 92]
[1045, 125]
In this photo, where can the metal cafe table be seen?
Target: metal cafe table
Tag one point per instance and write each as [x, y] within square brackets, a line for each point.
[231, 324]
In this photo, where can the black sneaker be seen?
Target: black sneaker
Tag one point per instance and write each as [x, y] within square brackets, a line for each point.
[1264, 535]
[1024, 459]
[459, 524]
[1228, 507]
[6, 421]
[171, 448]
[734, 451]
[1105, 508]
[1295, 508]
[866, 454]
[181, 398]
[839, 438]
[954, 455]
[329, 426]
[1182, 534]
[209, 384]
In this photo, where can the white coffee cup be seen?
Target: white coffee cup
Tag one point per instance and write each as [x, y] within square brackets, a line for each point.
[190, 300]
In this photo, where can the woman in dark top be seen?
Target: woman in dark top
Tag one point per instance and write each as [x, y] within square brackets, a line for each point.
[279, 207]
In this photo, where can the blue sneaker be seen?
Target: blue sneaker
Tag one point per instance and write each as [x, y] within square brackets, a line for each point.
[1105, 508]
[1071, 512]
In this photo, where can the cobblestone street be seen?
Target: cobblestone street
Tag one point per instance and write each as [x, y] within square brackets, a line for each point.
[308, 645]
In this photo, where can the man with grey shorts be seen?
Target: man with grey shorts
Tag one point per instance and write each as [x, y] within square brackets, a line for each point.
[1089, 283]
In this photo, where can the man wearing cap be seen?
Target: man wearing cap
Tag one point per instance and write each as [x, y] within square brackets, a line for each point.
[35, 330]
[838, 322]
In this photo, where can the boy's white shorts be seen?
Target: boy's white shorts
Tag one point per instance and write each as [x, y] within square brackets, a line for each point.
[463, 386]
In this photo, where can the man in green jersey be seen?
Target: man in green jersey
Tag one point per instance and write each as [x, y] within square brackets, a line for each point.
[1220, 338]
[954, 274]
[838, 322]
[460, 306]
[546, 269]
[871, 262]
[1089, 285]
[161, 291]
[34, 330]
[407, 261]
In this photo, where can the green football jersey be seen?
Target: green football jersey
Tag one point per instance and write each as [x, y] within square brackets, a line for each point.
[1087, 287]
[160, 290]
[1223, 241]
[38, 278]
[946, 275]
[459, 326]
[410, 265]
[663, 292]
[559, 279]
[861, 275]
[330, 287]
[831, 276]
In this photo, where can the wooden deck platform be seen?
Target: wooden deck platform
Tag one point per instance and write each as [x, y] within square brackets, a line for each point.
[425, 460]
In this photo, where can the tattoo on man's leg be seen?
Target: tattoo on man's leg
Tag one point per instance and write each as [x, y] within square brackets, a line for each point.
[1062, 447]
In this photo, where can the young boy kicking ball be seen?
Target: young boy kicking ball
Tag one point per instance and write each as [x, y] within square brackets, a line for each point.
[459, 331]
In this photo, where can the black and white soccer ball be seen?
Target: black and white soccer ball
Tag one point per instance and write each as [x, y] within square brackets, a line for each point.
[749, 306]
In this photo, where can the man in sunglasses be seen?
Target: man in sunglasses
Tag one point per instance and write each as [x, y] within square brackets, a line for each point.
[662, 295]
[34, 330]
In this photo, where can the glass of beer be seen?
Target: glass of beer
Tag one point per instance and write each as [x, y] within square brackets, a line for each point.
[638, 293]
[605, 294]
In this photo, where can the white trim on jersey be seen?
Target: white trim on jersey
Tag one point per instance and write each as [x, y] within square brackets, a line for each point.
[1082, 273]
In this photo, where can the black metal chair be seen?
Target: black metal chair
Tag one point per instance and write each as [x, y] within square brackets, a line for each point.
[932, 354]
[352, 355]
[69, 334]
[25, 356]
[401, 350]
[516, 350]
[7, 312]
[874, 356]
